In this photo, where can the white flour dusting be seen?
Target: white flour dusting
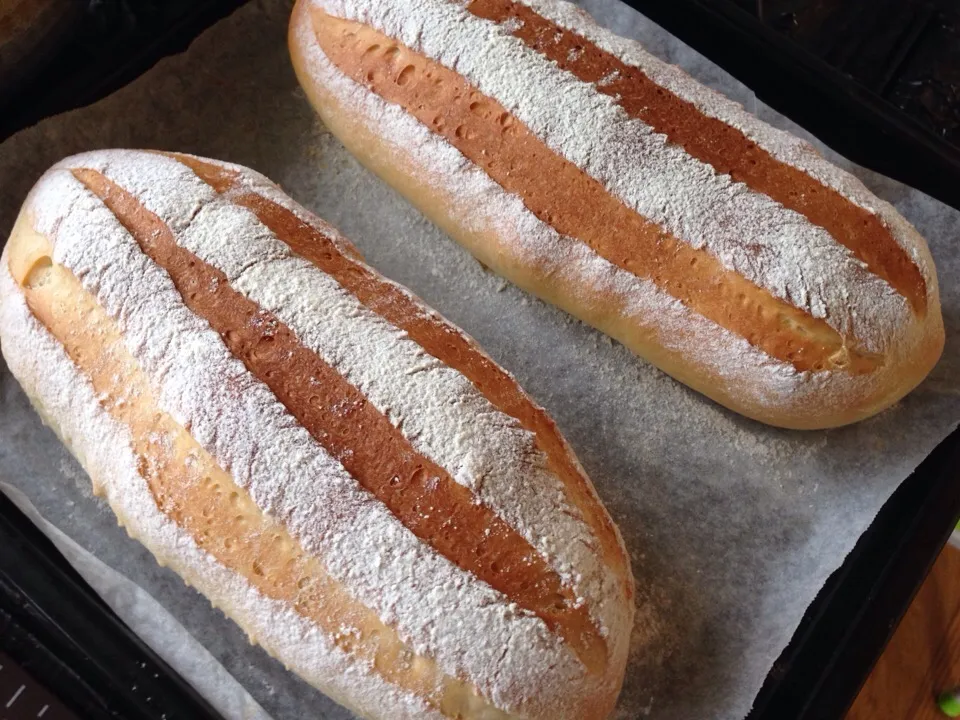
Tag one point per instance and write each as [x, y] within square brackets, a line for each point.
[435, 407]
[733, 526]
[434, 605]
[773, 247]
[782, 145]
[483, 205]
[104, 448]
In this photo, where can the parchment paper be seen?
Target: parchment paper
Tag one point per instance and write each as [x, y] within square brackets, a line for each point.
[733, 527]
[151, 621]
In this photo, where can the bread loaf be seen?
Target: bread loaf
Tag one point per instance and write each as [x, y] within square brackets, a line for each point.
[342, 471]
[727, 252]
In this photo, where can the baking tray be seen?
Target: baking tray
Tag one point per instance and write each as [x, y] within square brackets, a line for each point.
[113, 42]
[876, 80]
[57, 637]
[871, 79]
[787, 54]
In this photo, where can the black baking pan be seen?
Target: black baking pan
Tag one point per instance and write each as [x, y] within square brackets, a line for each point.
[876, 80]
[879, 93]
[108, 45]
[63, 653]
[846, 628]
[879, 82]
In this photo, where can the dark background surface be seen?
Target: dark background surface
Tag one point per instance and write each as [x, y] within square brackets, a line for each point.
[877, 80]
[55, 629]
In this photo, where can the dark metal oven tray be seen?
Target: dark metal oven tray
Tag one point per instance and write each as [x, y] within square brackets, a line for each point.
[874, 79]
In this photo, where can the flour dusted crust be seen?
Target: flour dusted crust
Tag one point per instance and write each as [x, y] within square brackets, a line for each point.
[789, 260]
[205, 462]
[67, 401]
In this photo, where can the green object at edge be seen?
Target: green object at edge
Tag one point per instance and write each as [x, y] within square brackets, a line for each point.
[949, 703]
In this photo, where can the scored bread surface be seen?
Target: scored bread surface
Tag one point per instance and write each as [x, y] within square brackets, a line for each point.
[443, 557]
[526, 131]
[105, 445]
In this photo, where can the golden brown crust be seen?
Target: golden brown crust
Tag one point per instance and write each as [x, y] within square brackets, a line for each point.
[420, 493]
[818, 403]
[723, 147]
[562, 195]
[200, 497]
[231, 496]
[437, 337]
